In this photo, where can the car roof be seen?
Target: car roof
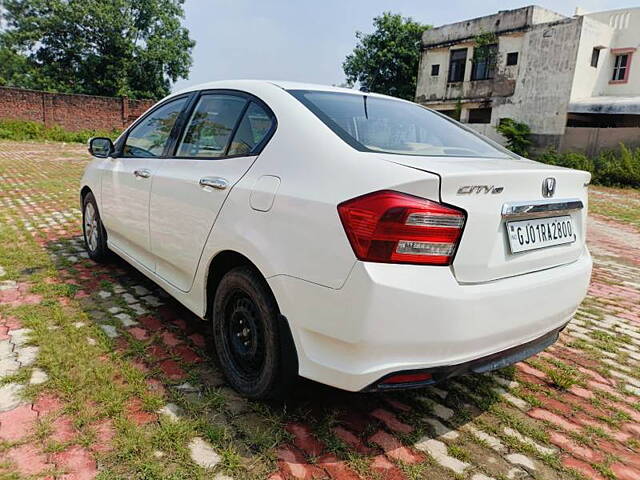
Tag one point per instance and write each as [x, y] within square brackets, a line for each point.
[284, 84]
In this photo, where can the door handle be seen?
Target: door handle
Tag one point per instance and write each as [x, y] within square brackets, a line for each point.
[142, 173]
[218, 183]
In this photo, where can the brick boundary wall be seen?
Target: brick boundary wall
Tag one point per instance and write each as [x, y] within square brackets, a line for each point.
[70, 111]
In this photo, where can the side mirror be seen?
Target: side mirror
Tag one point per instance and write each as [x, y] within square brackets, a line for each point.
[101, 147]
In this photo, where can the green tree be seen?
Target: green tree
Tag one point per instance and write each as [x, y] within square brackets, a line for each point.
[134, 48]
[517, 134]
[386, 61]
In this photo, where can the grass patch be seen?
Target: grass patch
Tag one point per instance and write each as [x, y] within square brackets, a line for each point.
[22, 130]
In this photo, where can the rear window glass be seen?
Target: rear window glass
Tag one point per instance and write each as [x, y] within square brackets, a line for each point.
[391, 126]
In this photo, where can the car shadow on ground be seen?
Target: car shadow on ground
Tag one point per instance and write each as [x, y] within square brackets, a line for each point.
[148, 327]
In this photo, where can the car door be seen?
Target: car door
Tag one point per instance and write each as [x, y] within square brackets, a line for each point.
[126, 181]
[222, 136]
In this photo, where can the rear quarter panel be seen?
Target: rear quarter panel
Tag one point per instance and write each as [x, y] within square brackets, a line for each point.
[301, 235]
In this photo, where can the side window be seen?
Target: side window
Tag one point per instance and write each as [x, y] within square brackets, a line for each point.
[255, 125]
[149, 137]
[209, 129]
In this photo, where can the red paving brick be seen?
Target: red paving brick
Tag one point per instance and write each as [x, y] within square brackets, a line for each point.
[186, 354]
[158, 352]
[625, 472]
[557, 420]
[582, 467]
[338, 469]
[104, 434]
[391, 421]
[139, 333]
[580, 451]
[352, 441]
[198, 340]
[293, 463]
[17, 423]
[304, 439]
[151, 322]
[393, 448]
[62, 429]
[47, 404]
[77, 462]
[137, 414]
[386, 469]
[172, 370]
[170, 339]
[27, 459]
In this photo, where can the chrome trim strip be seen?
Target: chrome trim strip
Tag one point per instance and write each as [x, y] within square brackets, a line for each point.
[541, 208]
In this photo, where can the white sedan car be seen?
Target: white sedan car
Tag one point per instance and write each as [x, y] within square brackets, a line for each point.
[351, 238]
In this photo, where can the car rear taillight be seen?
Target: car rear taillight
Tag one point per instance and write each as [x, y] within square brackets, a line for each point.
[393, 227]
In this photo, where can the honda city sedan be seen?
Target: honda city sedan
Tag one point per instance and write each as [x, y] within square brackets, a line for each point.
[351, 238]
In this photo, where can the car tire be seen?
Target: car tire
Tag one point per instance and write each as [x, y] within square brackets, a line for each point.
[252, 340]
[95, 236]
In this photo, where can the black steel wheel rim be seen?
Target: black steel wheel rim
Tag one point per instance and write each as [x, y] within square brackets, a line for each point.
[244, 335]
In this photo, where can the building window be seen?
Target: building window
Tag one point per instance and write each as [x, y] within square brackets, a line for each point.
[450, 113]
[479, 115]
[512, 58]
[484, 62]
[457, 64]
[621, 68]
[595, 56]
[435, 70]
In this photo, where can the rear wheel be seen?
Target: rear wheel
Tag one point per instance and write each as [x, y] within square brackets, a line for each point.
[247, 336]
[95, 236]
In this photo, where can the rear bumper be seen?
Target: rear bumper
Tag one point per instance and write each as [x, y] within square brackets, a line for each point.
[395, 318]
[489, 363]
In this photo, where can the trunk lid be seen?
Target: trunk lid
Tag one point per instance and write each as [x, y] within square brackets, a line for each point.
[484, 253]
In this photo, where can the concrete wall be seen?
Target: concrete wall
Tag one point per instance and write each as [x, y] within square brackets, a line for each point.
[434, 88]
[502, 22]
[613, 29]
[589, 81]
[72, 112]
[545, 78]
[592, 141]
[535, 91]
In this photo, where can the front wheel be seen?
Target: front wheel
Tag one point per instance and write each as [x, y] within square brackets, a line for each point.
[248, 337]
[95, 236]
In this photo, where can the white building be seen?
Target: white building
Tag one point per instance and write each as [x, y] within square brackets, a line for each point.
[566, 77]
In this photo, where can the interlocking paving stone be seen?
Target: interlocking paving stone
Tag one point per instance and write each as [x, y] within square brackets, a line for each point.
[38, 376]
[26, 355]
[438, 451]
[110, 330]
[10, 396]
[172, 411]
[203, 454]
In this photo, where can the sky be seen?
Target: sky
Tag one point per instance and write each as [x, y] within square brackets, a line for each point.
[307, 41]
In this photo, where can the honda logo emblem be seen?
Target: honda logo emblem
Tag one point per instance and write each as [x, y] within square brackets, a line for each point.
[548, 187]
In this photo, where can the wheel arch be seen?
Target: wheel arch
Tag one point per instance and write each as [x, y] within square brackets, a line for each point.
[83, 193]
[219, 265]
[227, 260]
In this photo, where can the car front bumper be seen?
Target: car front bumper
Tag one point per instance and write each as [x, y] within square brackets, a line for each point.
[390, 318]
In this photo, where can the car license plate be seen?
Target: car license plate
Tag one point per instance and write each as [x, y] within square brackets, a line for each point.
[540, 232]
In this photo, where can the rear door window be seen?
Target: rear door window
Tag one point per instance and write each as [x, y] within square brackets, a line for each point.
[208, 132]
[252, 131]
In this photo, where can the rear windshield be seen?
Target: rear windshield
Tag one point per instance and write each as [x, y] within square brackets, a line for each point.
[391, 126]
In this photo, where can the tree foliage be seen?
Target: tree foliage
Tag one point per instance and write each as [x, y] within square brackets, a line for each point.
[517, 134]
[386, 61]
[134, 48]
